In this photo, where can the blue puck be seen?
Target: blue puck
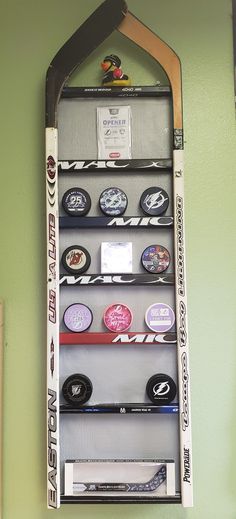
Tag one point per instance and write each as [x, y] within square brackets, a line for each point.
[113, 201]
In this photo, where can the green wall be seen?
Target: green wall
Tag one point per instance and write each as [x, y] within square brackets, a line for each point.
[201, 33]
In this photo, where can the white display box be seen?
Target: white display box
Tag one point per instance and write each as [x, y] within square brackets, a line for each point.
[116, 257]
[120, 477]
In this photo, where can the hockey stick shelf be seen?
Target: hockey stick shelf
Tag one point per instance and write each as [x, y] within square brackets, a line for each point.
[121, 500]
[116, 166]
[135, 91]
[91, 222]
[121, 408]
[71, 132]
[113, 338]
[119, 280]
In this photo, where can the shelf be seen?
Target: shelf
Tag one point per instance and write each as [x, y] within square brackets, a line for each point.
[121, 499]
[120, 408]
[116, 91]
[94, 222]
[115, 338]
[117, 279]
[116, 166]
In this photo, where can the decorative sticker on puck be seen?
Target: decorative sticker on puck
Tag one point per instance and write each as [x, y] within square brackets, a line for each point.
[76, 259]
[118, 317]
[113, 201]
[154, 201]
[77, 389]
[161, 389]
[78, 317]
[76, 202]
[155, 259]
[159, 317]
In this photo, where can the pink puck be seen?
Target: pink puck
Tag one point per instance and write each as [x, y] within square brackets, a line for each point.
[118, 317]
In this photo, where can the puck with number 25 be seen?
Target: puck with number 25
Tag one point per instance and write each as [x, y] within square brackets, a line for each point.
[76, 202]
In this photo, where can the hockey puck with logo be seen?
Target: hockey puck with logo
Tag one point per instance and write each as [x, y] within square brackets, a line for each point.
[78, 317]
[77, 389]
[154, 201]
[76, 202]
[159, 317]
[118, 317]
[113, 201]
[161, 389]
[155, 259]
[76, 259]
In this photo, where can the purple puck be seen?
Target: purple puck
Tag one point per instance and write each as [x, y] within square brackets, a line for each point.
[159, 317]
[78, 317]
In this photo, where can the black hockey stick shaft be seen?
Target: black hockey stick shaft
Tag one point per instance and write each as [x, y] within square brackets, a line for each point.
[81, 44]
[124, 222]
[119, 279]
[119, 166]
[121, 409]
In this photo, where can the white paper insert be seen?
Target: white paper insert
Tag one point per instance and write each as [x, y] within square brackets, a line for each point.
[114, 132]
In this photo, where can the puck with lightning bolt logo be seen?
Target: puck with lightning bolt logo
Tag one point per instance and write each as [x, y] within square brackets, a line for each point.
[77, 389]
[78, 317]
[76, 259]
[154, 201]
[161, 389]
[113, 201]
[155, 259]
[118, 317]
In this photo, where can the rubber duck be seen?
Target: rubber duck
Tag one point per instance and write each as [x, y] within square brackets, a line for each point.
[113, 74]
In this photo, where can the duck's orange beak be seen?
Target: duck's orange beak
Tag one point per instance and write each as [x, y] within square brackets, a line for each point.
[105, 65]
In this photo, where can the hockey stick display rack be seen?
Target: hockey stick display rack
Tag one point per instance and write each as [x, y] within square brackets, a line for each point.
[118, 433]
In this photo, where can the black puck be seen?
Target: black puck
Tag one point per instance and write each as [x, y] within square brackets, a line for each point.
[76, 259]
[161, 389]
[76, 202]
[154, 201]
[77, 389]
[113, 201]
[155, 259]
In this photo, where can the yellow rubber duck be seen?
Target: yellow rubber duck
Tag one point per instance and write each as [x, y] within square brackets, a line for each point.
[113, 74]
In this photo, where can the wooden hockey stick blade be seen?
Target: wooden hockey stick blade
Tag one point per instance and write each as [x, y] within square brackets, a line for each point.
[137, 32]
